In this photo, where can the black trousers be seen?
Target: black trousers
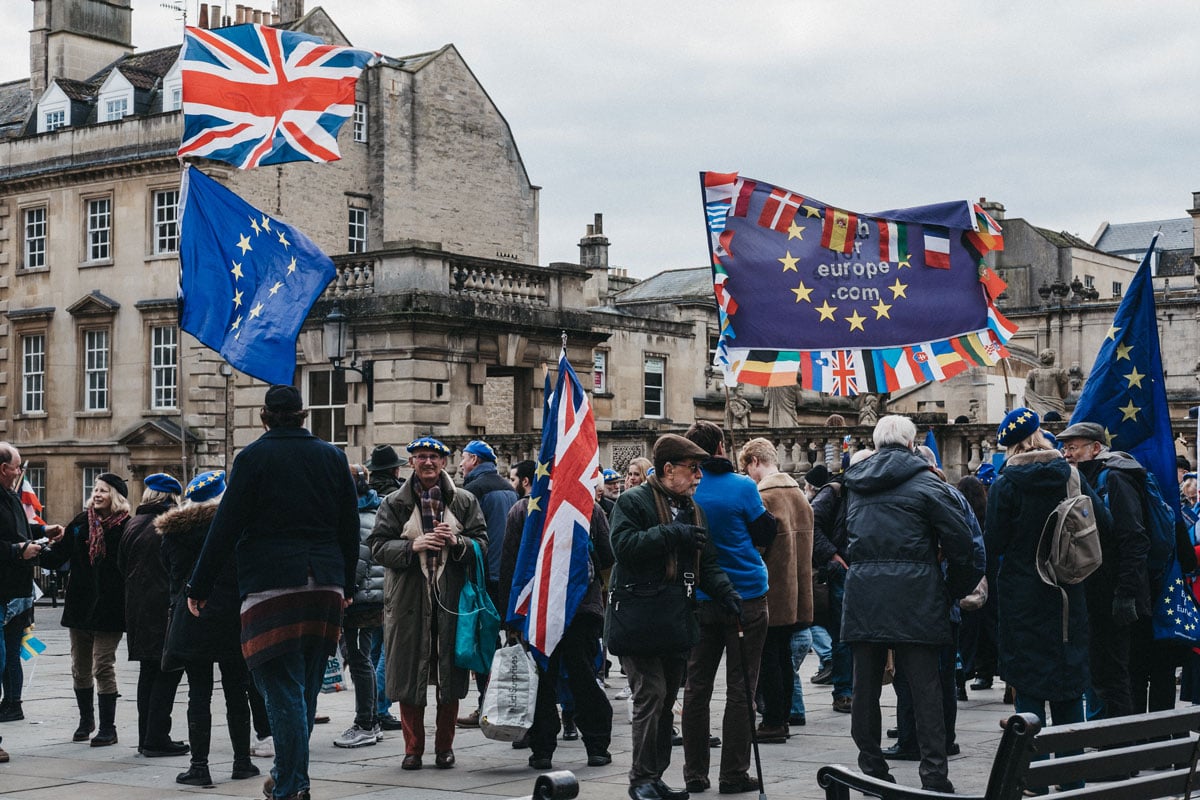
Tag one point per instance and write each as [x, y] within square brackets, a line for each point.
[1152, 668]
[576, 655]
[775, 676]
[155, 699]
[920, 664]
[1108, 657]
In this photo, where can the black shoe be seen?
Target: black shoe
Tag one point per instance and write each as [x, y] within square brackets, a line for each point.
[644, 791]
[740, 784]
[411, 762]
[165, 750]
[893, 733]
[962, 694]
[195, 776]
[106, 737]
[676, 738]
[698, 785]
[599, 759]
[953, 749]
[522, 743]
[389, 723]
[714, 742]
[797, 719]
[667, 793]
[946, 787]
[243, 768]
[540, 762]
[444, 760]
[896, 753]
[12, 712]
[569, 733]
[981, 684]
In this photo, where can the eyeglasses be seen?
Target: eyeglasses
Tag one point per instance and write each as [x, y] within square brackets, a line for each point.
[426, 457]
[694, 468]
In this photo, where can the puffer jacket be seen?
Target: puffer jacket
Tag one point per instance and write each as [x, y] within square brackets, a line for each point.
[898, 515]
[367, 609]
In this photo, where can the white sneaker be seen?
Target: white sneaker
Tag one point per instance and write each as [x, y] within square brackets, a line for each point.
[263, 748]
[355, 736]
[624, 693]
[378, 731]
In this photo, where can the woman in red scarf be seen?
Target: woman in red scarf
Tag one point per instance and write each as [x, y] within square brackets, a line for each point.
[94, 608]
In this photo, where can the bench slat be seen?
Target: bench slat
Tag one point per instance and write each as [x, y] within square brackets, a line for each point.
[1094, 765]
[1150, 786]
[1102, 733]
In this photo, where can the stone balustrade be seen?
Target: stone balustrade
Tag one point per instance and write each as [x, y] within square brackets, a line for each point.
[522, 285]
[355, 276]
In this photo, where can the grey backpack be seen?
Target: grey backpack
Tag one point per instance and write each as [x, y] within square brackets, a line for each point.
[1069, 548]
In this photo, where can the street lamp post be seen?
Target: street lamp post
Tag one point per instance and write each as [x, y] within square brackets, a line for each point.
[337, 327]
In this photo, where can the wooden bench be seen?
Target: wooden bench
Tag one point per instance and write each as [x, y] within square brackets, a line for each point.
[1161, 748]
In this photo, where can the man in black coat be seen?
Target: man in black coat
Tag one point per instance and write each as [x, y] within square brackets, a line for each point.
[829, 562]
[899, 515]
[17, 546]
[1118, 592]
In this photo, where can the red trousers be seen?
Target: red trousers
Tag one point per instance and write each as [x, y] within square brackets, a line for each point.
[412, 722]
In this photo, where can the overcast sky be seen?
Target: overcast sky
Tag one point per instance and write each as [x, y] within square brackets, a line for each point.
[1070, 113]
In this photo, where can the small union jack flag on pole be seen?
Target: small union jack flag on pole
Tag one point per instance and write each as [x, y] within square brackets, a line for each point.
[552, 571]
[845, 383]
[255, 95]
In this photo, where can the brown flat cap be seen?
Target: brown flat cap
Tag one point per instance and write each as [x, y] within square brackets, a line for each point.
[674, 448]
[1091, 431]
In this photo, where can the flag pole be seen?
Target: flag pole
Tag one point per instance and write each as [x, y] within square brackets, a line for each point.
[1007, 393]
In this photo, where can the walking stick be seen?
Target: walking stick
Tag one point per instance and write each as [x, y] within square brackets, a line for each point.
[762, 793]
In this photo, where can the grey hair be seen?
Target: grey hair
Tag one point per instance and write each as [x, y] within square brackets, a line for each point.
[894, 429]
[927, 454]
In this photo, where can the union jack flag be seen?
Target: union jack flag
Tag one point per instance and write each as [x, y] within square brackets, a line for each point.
[845, 381]
[256, 95]
[552, 571]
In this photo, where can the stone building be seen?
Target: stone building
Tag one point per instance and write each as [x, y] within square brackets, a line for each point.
[430, 209]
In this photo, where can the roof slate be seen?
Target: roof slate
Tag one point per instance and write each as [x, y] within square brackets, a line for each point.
[1134, 237]
[695, 282]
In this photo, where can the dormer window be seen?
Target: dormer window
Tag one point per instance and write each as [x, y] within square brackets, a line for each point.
[115, 98]
[172, 88]
[53, 120]
[116, 108]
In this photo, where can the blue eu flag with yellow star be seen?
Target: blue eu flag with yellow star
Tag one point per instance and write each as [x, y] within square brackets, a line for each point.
[1126, 391]
[247, 280]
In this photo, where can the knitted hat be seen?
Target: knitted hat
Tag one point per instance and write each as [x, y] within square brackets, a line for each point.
[205, 486]
[116, 482]
[1018, 424]
[428, 443]
[162, 482]
[283, 398]
[481, 449]
[818, 476]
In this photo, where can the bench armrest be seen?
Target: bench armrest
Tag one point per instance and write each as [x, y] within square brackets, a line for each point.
[837, 781]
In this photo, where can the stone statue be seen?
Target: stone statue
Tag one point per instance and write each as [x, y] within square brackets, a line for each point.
[1075, 378]
[737, 410]
[780, 402]
[1047, 386]
[973, 409]
[868, 409]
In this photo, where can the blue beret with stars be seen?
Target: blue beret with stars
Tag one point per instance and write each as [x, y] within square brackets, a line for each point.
[205, 486]
[1018, 424]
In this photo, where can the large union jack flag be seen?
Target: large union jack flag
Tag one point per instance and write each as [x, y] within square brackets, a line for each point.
[256, 95]
[552, 570]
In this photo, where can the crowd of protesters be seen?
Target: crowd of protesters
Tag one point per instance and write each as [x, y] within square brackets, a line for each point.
[873, 561]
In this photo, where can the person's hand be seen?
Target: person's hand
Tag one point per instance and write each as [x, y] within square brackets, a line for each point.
[427, 541]
[684, 535]
[346, 602]
[1124, 610]
[31, 550]
[54, 532]
[732, 604]
[195, 605]
[837, 559]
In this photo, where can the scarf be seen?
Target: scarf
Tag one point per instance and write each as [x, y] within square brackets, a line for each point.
[689, 512]
[97, 527]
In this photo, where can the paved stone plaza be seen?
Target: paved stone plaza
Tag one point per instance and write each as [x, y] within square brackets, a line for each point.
[46, 764]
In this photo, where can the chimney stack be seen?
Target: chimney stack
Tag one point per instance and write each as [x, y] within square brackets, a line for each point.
[290, 10]
[996, 210]
[202, 20]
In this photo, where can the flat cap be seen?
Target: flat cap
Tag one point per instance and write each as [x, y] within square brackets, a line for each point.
[673, 448]
[1092, 431]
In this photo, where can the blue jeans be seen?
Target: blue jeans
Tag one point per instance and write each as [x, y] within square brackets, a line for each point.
[822, 645]
[290, 685]
[382, 704]
[843, 658]
[802, 642]
[360, 642]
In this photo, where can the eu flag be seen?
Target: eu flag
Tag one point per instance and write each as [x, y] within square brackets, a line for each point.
[247, 280]
[1126, 391]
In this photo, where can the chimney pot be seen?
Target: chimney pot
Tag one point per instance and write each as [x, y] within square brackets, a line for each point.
[202, 22]
[599, 224]
[591, 229]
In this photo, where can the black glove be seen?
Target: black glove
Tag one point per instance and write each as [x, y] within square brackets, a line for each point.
[684, 535]
[732, 604]
[1124, 610]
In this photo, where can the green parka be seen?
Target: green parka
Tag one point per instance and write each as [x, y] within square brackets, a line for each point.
[409, 605]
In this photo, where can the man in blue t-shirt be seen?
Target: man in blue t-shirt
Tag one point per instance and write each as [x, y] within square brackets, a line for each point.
[740, 527]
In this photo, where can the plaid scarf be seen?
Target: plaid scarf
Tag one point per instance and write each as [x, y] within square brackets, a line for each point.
[431, 514]
[97, 527]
